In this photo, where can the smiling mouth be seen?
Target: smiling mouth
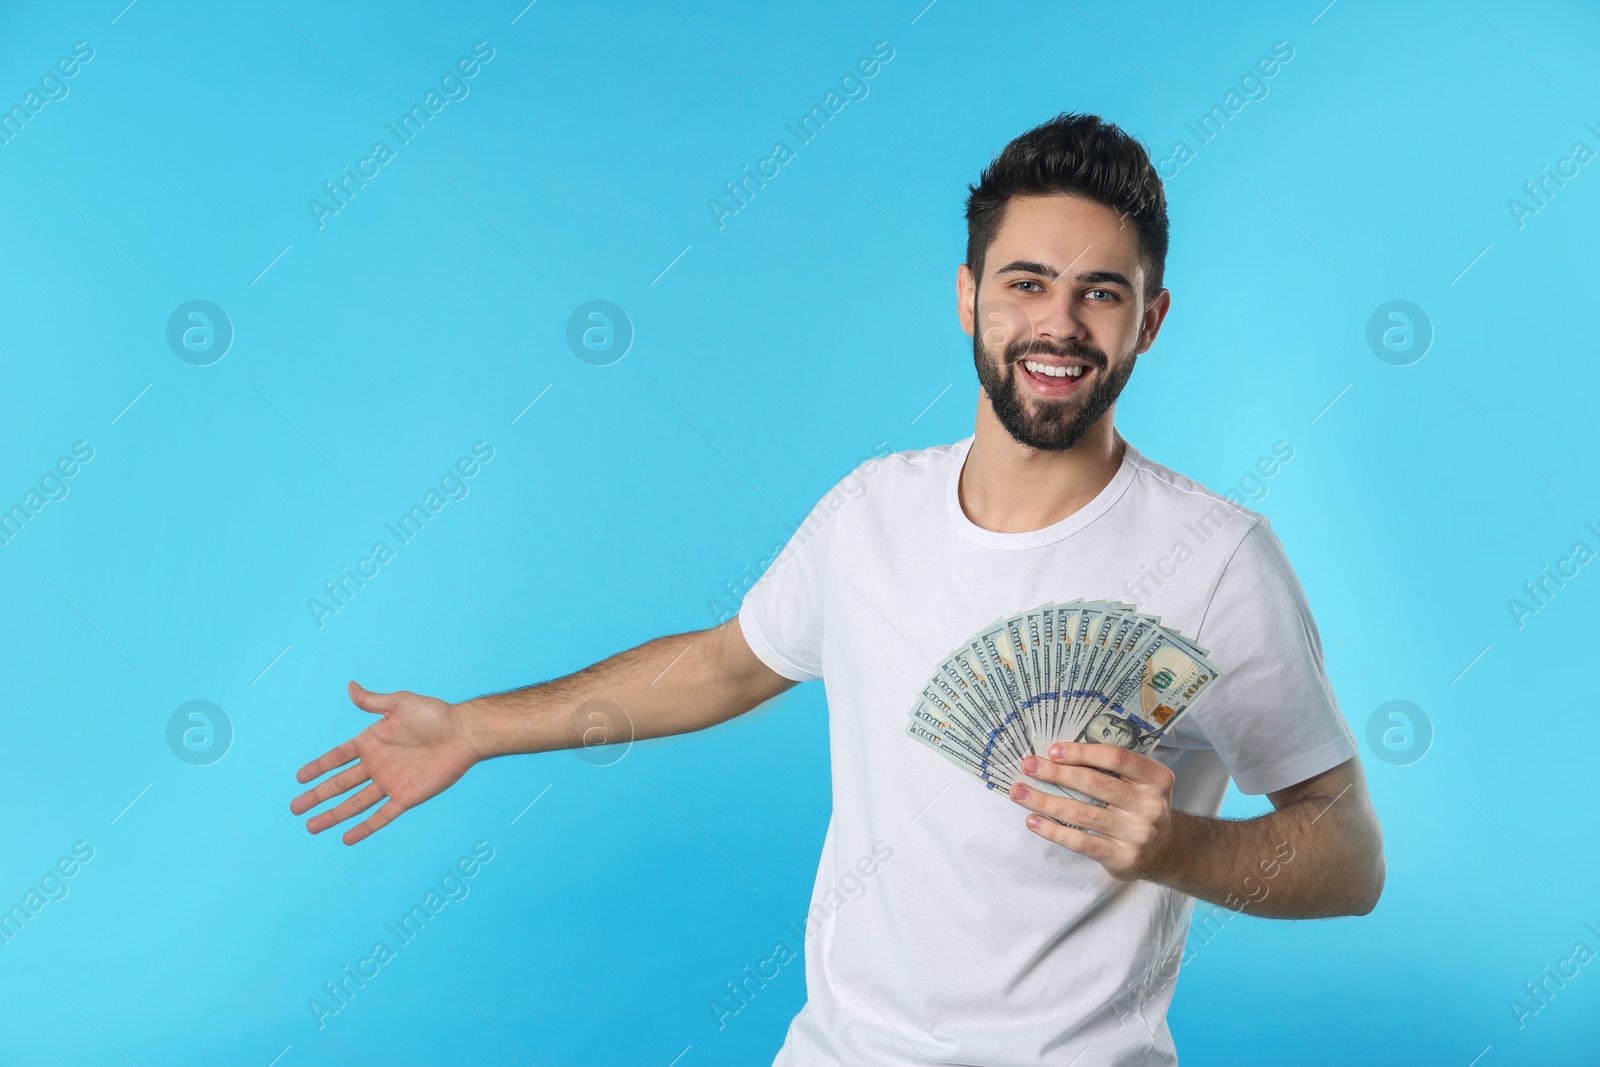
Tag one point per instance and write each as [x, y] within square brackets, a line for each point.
[1053, 370]
[1053, 378]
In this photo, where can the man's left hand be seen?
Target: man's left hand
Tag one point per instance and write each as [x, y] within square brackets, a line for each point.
[1135, 826]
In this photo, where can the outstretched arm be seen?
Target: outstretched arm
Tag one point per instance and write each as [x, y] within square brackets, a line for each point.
[421, 745]
[1319, 854]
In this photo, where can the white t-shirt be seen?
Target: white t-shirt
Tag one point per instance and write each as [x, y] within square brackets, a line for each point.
[943, 931]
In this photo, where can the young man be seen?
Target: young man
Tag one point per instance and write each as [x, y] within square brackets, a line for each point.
[995, 936]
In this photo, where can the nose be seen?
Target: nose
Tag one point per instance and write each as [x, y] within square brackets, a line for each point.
[1057, 319]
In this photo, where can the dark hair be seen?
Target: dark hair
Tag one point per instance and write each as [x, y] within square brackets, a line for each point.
[1079, 155]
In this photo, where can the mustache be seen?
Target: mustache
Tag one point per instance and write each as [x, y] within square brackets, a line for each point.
[1088, 353]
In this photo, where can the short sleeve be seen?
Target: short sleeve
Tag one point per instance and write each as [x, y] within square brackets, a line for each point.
[1272, 717]
[782, 614]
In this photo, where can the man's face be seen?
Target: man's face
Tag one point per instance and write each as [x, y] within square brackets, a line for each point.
[1058, 318]
[1109, 730]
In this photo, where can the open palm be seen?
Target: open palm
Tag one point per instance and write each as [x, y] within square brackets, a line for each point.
[415, 751]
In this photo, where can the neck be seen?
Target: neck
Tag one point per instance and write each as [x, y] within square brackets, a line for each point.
[1009, 487]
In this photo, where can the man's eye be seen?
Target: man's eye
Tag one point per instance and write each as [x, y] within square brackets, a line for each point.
[1107, 292]
[1017, 285]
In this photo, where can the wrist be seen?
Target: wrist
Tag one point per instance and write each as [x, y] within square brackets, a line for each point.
[1165, 860]
[479, 728]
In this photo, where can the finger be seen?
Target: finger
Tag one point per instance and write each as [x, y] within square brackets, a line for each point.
[378, 820]
[339, 783]
[353, 806]
[1101, 786]
[1113, 758]
[337, 756]
[1096, 848]
[1103, 821]
[377, 703]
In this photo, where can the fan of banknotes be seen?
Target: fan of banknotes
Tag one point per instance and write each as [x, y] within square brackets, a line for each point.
[1092, 671]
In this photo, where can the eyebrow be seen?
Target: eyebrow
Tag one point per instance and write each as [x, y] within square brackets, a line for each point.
[1091, 277]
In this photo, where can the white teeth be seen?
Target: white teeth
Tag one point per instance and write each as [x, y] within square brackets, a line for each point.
[1053, 371]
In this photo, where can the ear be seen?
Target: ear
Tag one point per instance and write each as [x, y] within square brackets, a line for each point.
[966, 291]
[1155, 313]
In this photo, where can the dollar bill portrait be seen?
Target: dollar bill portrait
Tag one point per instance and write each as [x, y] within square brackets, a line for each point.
[1109, 728]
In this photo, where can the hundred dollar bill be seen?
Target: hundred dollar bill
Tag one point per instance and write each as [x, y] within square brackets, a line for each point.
[938, 720]
[992, 775]
[1092, 622]
[992, 647]
[1065, 666]
[1027, 634]
[984, 681]
[1089, 671]
[1131, 633]
[1170, 677]
[958, 707]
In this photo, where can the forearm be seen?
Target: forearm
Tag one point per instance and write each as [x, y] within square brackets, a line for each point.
[670, 685]
[1315, 858]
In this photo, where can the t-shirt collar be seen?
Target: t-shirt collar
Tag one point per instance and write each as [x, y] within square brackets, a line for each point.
[1066, 527]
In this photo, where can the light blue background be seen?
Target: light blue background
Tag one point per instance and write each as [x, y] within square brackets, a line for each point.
[771, 357]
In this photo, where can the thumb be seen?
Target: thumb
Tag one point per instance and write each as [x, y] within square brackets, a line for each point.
[376, 703]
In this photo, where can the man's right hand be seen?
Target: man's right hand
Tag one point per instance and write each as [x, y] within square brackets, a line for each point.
[422, 746]
[418, 749]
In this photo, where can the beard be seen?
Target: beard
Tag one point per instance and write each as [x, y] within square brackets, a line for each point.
[1048, 425]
